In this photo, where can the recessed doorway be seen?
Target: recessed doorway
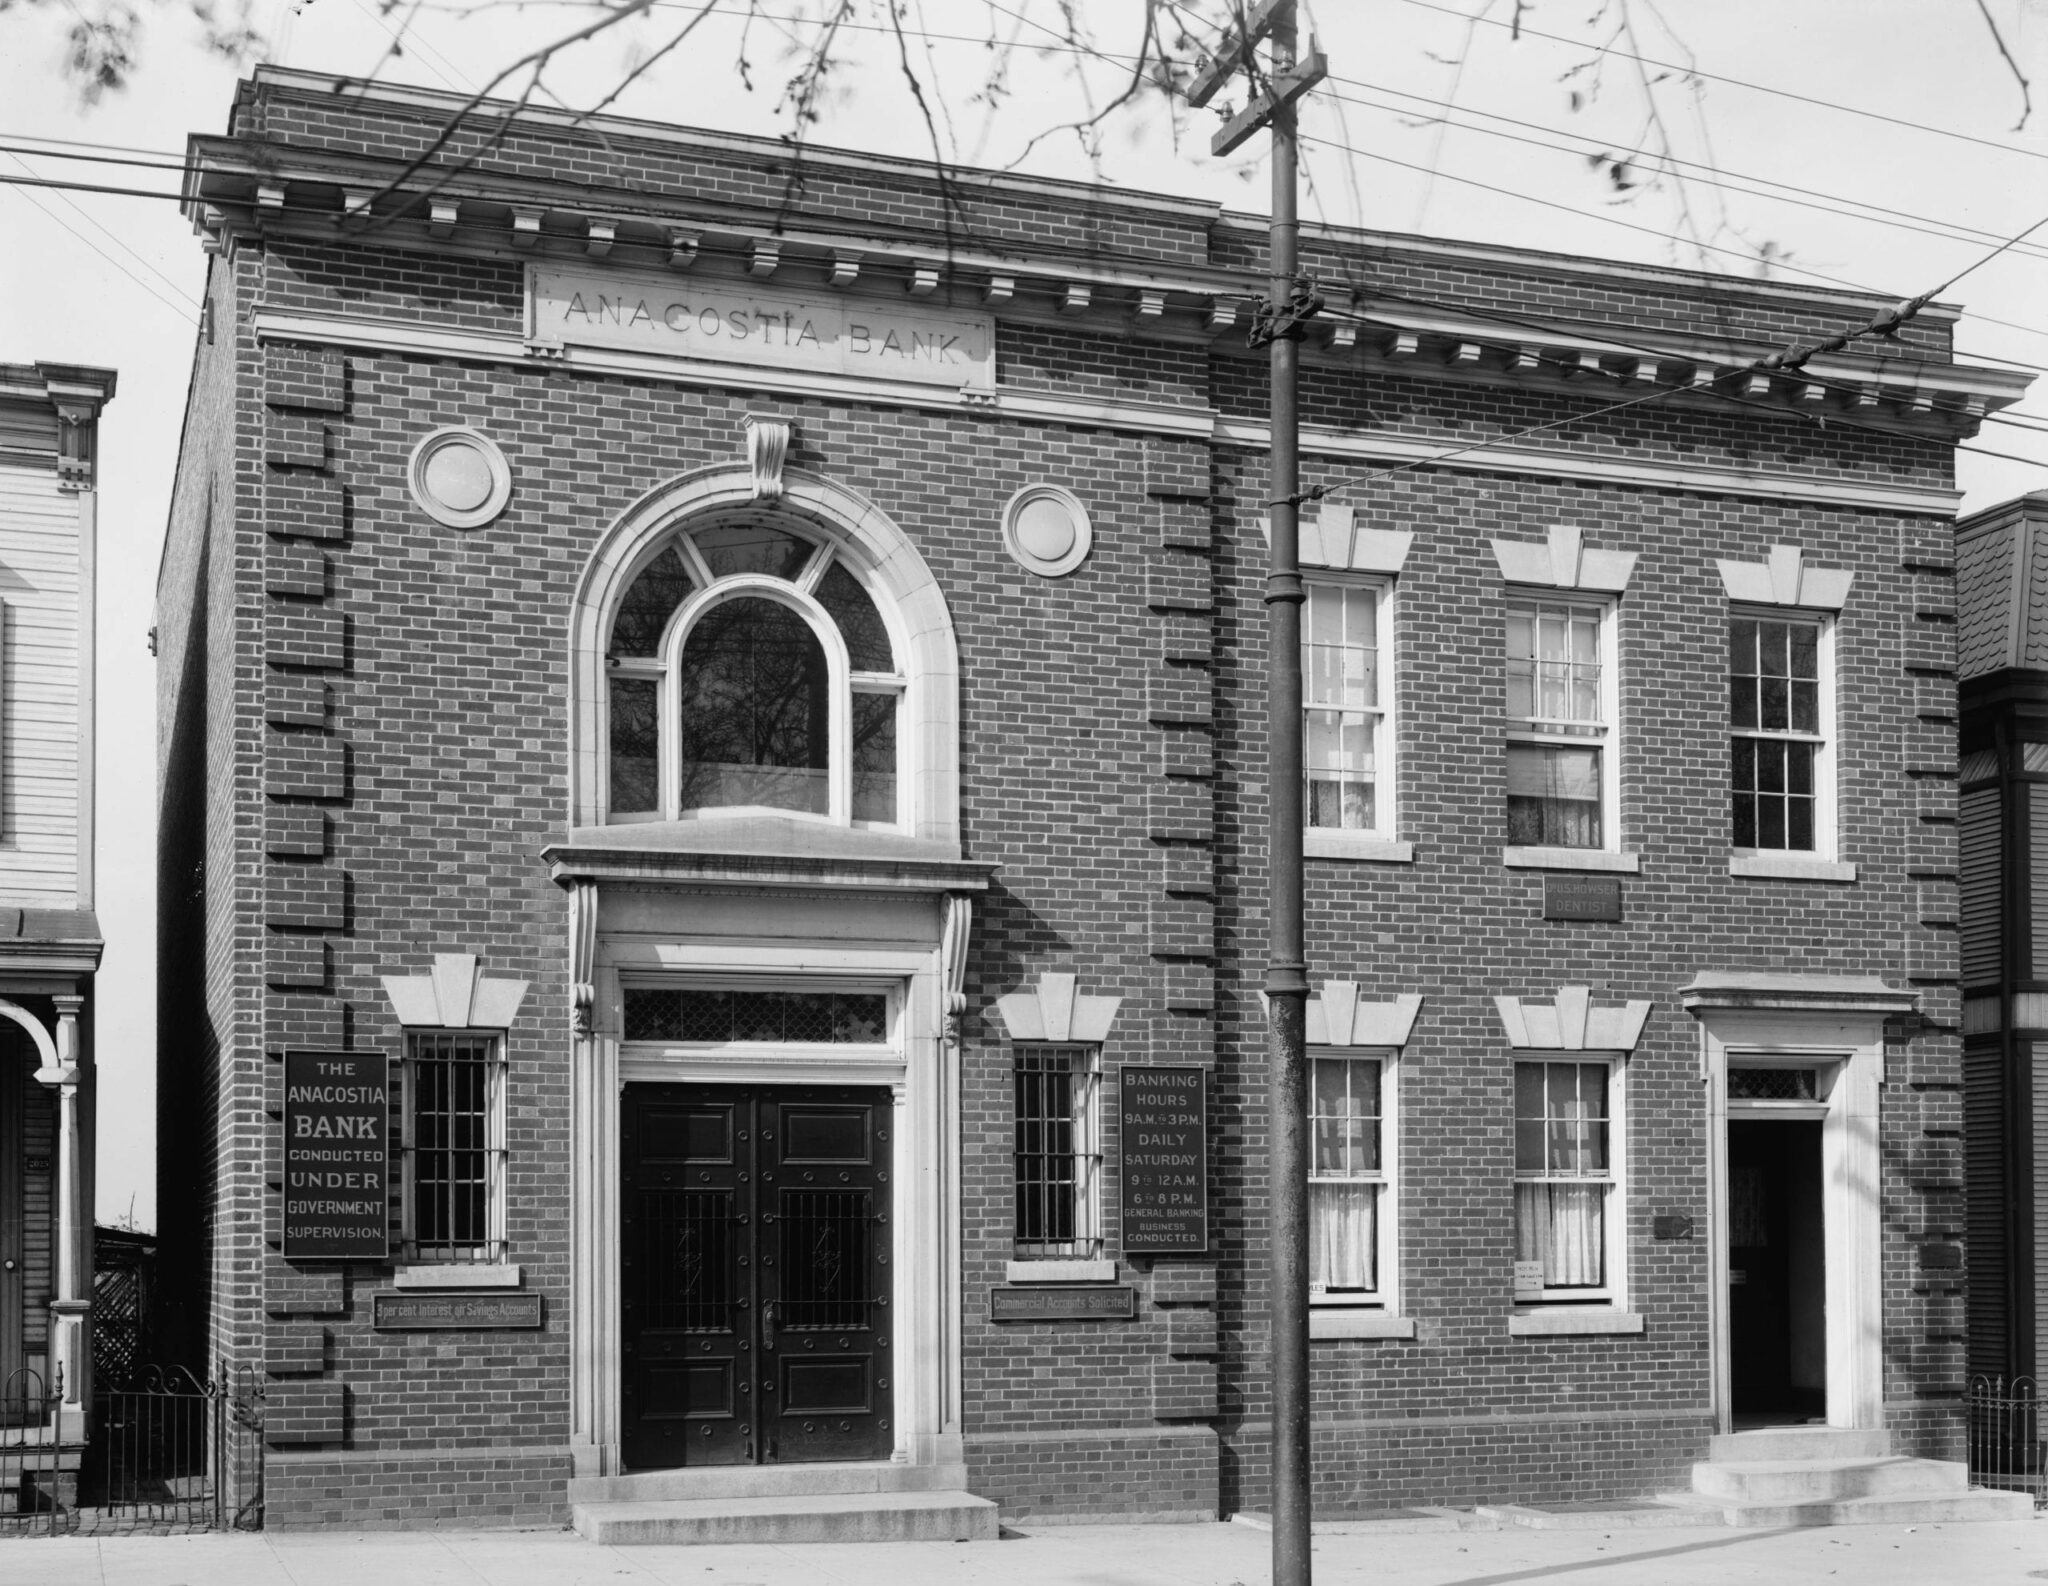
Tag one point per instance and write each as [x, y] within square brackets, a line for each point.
[755, 1283]
[1777, 1271]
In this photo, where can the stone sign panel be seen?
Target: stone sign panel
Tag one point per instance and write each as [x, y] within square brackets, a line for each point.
[401, 1312]
[1165, 1160]
[1582, 898]
[337, 1156]
[1061, 1304]
[773, 327]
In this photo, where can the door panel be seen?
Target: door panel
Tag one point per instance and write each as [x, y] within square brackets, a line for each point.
[755, 1290]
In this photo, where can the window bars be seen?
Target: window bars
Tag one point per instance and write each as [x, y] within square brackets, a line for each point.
[1058, 1151]
[455, 1151]
[825, 1018]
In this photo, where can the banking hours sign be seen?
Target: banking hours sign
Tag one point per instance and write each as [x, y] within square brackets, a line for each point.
[337, 1156]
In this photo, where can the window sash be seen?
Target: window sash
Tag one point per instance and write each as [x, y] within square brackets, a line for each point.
[1566, 1174]
[1056, 1151]
[1344, 712]
[1556, 669]
[454, 1150]
[1347, 1176]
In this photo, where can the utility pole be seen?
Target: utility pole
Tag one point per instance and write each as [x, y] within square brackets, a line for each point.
[1290, 301]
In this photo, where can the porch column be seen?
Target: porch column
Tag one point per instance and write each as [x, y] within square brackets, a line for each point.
[71, 1310]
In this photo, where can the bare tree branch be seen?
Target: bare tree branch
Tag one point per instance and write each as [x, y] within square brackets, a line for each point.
[2020, 77]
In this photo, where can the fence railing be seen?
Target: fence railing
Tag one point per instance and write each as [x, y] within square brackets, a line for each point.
[2004, 1428]
[172, 1450]
[36, 1490]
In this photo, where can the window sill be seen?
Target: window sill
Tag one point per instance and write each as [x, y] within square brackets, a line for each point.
[1330, 1322]
[1573, 1321]
[1327, 843]
[457, 1275]
[1059, 1271]
[1789, 867]
[1570, 859]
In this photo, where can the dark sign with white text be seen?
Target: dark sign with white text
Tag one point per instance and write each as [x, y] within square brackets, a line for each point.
[1164, 1131]
[1582, 898]
[337, 1156]
[404, 1313]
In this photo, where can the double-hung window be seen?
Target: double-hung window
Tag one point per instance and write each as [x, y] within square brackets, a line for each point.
[1561, 772]
[1347, 741]
[1349, 1198]
[1057, 1149]
[1778, 710]
[1568, 1219]
[454, 1146]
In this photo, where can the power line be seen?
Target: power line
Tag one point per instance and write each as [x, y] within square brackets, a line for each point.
[183, 311]
[94, 159]
[1900, 219]
[1736, 82]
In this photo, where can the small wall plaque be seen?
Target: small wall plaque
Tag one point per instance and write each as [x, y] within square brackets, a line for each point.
[413, 1311]
[1582, 898]
[1015, 1304]
[1671, 1226]
[37, 1164]
[1528, 1280]
[1941, 1258]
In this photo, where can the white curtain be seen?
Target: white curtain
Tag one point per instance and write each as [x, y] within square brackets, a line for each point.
[1341, 1236]
[1560, 1225]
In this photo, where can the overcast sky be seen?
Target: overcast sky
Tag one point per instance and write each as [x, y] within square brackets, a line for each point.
[89, 278]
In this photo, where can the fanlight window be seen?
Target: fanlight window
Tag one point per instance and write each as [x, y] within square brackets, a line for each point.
[751, 671]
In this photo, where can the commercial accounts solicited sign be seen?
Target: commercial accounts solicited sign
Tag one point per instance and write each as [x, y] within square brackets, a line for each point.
[337, 1156]
[1164, 1140]
[666, 316]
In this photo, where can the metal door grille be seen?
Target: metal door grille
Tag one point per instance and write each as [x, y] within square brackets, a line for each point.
[1770, 1084]
[825, 1250]
[686, 1256]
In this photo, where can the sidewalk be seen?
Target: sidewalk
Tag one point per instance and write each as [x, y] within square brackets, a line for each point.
[1163, 1555]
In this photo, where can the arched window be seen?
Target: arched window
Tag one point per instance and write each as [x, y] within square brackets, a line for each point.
[750, 670]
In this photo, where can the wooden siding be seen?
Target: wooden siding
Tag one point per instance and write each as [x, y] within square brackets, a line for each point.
[1981, 901]
[1984, 1210]
[39, 661]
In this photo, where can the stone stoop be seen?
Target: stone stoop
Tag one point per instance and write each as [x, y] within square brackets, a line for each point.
[783, 1503]
[1794, 1476]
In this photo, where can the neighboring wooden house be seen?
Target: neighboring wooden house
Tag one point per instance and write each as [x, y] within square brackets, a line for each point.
[2002, 669]
[49, 936]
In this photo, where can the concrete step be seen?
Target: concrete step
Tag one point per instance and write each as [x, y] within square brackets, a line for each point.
[1827, 1480]
[1800, 1442]
[1942, 1509]
[766, 1481]
[817, 1517]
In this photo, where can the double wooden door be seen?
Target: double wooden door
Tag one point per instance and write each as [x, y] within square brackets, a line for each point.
[755, 1240]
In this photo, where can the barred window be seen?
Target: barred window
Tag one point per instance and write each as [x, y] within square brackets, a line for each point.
[1058, 1151]
[454, 1188]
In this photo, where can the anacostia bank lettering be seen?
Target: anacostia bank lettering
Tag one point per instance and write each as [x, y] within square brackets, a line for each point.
[774, 329]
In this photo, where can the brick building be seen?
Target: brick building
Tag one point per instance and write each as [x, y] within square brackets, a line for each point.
[719, 705]
[49, 935]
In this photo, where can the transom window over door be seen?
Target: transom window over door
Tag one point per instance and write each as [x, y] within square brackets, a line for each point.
[750, 670]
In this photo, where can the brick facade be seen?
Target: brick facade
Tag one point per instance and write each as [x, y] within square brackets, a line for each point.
[367, 731]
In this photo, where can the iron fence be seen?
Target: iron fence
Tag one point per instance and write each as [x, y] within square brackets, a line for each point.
[36, 1490]
[2004, 1429]
[170, 1450]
